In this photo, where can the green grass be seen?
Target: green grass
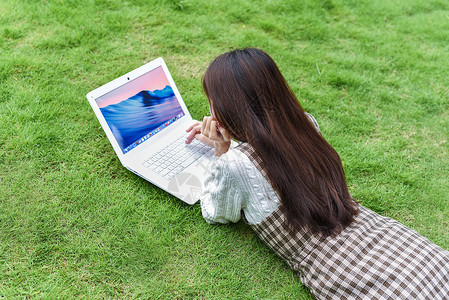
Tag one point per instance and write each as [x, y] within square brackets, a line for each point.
[75, 223]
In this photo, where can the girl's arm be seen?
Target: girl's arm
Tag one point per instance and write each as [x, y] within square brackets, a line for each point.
[222, 200]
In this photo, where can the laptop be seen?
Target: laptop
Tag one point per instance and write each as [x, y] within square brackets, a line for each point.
[145, 119]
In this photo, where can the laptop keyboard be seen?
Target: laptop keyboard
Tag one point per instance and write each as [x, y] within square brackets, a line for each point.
[175, 157]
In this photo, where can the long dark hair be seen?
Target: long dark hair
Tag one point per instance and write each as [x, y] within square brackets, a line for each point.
[251, 99]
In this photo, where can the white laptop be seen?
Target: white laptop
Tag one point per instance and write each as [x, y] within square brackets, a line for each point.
[145, 119]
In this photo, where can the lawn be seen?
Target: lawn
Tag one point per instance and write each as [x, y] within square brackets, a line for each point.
[75, 223]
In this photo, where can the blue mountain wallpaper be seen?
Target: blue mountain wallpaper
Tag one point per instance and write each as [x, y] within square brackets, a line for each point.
[136, 116]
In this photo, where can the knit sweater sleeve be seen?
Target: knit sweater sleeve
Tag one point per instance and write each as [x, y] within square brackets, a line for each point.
[222, 200]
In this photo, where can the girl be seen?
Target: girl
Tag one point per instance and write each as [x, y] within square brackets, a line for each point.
[288, 184]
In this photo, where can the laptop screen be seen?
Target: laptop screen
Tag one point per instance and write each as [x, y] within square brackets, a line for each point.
[141, 108]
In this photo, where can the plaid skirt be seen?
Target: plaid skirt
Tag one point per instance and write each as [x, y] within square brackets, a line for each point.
[374, 258]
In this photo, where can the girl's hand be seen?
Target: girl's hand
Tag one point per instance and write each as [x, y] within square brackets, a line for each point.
[211, 129]
[210, 133]
[195, 133]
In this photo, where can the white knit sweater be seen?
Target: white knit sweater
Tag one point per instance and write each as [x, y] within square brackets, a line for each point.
[234, 184]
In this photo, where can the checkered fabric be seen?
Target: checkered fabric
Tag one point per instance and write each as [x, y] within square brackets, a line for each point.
[374, 258]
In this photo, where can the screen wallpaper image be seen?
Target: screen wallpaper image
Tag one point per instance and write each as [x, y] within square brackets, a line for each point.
[140, 108]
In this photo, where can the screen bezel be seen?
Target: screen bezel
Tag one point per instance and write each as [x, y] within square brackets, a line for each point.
[120, 82]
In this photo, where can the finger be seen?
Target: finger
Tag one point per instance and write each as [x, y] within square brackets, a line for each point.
[190, 137]
[203, 125]
[193, 132]
[193, 125]
[205, 128]
[205, 140]
[213, 131]
[225, 134]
